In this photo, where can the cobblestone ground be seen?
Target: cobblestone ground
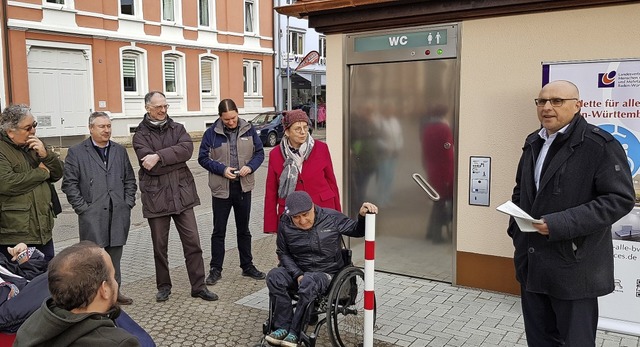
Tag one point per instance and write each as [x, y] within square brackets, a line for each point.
[187, 321]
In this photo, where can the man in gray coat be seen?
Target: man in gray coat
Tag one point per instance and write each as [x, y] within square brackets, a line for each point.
[101, 187]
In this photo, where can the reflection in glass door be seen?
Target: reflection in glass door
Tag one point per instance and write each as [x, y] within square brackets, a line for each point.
[401, 157]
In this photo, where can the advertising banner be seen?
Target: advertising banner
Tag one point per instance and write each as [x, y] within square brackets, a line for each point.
[610, 94]
[309, 59]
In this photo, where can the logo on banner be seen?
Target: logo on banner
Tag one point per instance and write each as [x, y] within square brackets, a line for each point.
[629, 142]
[607, 80]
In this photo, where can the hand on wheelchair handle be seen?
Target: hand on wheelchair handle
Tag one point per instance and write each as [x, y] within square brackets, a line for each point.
[368, 207]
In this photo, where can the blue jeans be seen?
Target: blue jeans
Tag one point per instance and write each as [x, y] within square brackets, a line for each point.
[241, 204]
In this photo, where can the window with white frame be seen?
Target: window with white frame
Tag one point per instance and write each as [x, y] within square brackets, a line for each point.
[171, 10]
[128, 7]
[296, 42]
[205, 13]
[249, 16]
[322, 46]
[173, 74]
[129, 77]
[252, 77]
[133, 73]
[245, 77]
[64, 3]
[208, 73]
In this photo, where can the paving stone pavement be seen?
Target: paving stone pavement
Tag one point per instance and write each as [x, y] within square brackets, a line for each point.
[410, 312]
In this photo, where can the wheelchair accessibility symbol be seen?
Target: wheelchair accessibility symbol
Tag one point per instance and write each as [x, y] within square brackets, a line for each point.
[629, 142]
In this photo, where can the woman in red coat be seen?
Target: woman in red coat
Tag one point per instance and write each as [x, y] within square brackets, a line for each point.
[299, 163]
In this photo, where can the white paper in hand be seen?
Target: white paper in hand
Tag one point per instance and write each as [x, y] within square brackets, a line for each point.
[525, 222]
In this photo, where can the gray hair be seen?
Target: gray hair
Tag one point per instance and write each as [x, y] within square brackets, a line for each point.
[149, 95]
[94, 115]
[13, 115]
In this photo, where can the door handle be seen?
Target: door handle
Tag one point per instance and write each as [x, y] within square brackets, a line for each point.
[433, 195]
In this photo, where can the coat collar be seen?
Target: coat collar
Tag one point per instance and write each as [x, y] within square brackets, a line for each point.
[91, 152]
[575, 136]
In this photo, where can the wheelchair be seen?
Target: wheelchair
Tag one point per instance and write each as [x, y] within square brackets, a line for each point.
[341, 308]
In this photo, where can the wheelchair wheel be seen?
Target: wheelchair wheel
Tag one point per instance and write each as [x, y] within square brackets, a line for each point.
[345, 309]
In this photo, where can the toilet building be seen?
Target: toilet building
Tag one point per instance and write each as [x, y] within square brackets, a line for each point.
[455, 81]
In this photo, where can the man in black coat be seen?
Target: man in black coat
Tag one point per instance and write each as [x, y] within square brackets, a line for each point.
[309, 249]
[575, 178]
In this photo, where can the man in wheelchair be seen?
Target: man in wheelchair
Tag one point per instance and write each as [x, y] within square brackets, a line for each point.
[309, 248]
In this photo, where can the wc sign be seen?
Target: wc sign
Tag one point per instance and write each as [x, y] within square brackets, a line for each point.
[398, 40]
[427, 38]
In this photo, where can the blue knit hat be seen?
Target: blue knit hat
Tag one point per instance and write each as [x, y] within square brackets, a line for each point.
[297, 202]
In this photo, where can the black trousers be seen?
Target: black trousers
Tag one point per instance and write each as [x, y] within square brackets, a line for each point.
[552, 322]
[241, 204]
[279, 281]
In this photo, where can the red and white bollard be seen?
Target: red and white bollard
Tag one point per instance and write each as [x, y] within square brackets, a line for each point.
[369, 296]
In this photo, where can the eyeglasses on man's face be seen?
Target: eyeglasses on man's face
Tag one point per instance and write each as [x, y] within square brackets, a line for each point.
[30, 127]
[165, 106]
[555, 102]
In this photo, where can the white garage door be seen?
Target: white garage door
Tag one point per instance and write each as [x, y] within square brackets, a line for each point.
[59, 91]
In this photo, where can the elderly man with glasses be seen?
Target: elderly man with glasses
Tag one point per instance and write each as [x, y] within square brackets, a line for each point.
[168, 189]
[575, 178]
[27, 171]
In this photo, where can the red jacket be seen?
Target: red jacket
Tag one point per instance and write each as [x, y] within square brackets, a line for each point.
[317, 179]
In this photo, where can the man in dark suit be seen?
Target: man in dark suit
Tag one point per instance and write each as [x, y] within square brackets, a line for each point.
[101, 187]
[575, 178]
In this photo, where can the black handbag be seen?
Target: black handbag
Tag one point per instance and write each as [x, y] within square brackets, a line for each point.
[55, 201]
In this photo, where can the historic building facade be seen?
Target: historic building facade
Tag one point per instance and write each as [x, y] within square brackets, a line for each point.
[66, 58]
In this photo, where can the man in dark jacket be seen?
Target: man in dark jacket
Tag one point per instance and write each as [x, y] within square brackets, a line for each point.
[101, 187]
[81, 309]
[309, 248]
[163, 148]
[575, 178]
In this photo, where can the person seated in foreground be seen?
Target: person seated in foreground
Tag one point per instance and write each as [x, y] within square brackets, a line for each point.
[19, 276]
[309, 248]
[82, 306]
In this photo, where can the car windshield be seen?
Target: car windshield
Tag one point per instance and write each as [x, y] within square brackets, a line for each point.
[263, 118]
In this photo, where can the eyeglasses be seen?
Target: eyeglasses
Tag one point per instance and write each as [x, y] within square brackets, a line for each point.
[166, 106]
[300, 130]
[555, 102]
[30, 127]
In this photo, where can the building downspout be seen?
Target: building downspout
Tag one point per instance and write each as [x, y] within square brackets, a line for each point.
[5, 40]
[277, 80]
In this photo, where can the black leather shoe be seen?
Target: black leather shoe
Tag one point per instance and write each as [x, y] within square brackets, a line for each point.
[163, 294]
[124, 300]
[205, 294]
[214, 276]
[253, 273]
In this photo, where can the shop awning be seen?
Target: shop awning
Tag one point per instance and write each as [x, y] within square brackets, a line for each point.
[309, 77]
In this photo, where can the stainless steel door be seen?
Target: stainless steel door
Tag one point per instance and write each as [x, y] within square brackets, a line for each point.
[401, 157]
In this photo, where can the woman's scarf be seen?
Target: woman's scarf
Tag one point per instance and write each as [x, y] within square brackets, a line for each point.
[292, 164]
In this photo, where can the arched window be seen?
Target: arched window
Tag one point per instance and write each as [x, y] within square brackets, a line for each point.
[133, 72]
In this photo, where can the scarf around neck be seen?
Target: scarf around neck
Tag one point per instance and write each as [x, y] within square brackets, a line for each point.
[292, 165]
